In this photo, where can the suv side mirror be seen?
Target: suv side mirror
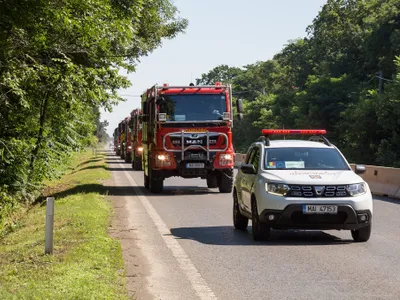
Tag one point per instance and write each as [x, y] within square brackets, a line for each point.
[248, 169]
[360, 169]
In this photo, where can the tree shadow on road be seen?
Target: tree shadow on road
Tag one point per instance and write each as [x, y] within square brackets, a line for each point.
[228, 236]
[92, 188]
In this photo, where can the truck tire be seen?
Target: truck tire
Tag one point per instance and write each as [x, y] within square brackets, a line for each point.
[239, 221]
[128, 158]
[156, 185]
[212, 181]
[226, 181]
[137, 163]
[146, 181]
[362, 234]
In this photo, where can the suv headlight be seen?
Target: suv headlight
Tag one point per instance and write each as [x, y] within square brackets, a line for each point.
[356, 189]
[279, 189]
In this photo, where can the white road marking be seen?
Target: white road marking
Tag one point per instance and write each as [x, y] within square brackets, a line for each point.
[203, 291]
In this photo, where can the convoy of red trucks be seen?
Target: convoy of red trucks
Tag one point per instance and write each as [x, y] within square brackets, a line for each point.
[183, 131]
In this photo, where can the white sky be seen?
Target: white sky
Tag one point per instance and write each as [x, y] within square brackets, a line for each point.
[231, 32]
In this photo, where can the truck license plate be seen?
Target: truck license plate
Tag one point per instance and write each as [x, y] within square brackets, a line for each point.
[320, 209]
[195, 165]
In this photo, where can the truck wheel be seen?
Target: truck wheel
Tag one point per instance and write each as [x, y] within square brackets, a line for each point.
[361, 235]
[260, 230]
[212, 181]
[226, 181]
[156, 185]
[239, 221]
[128, 158]
[137, 163]
[146, 181]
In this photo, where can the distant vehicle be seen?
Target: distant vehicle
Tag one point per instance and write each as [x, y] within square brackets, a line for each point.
[135, 132]
[122, 132]
[117, 146]
[288, 184]
[187, 132]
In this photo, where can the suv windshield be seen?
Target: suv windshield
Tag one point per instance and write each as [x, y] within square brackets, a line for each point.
[304, 158]
[193, 107]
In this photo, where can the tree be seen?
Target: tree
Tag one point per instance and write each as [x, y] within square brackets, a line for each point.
[59, 63]
[222, 73]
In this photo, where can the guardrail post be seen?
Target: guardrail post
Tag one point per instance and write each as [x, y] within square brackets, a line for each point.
[49, 225]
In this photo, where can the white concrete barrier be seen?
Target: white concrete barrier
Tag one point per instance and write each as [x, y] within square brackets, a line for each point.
[382, 181]
[239, 158]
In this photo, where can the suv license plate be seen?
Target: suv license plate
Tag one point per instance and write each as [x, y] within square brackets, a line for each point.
[195, 165]
[320, 209]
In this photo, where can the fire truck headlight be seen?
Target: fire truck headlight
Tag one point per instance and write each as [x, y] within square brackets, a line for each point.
[163, 160]
[226, 156]
[129, 147]
[140, 149]
[162, 157]
[225, 159]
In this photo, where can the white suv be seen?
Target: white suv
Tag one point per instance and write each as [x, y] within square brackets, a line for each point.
[303, 184]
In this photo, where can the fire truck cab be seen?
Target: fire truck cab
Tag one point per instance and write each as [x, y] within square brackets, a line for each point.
[135, 126]
[122, 138]
[128, 138]
[187, 132]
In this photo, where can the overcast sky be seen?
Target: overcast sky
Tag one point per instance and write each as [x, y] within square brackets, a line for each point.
[232, 32]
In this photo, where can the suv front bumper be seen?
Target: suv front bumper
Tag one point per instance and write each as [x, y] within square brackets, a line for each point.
[292, 217]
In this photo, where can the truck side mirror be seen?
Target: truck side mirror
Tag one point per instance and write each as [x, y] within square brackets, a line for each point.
[239, 108]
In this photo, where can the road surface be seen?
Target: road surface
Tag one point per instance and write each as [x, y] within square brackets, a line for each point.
[188, 249]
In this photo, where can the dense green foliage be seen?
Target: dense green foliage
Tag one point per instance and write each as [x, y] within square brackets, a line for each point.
[59, 63]
[344, 77]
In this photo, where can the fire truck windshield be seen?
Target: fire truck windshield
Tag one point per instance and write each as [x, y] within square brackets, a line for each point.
[193, 107]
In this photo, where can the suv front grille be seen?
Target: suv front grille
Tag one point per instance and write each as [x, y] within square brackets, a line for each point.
[318, 191]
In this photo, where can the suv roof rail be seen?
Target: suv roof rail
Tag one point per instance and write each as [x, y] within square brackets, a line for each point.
[320, 138]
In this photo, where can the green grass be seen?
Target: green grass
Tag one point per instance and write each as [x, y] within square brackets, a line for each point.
[86, 263]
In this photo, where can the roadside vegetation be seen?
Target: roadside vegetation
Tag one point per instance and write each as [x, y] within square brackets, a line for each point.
[86, 263]
[344, 76]
[60, 64]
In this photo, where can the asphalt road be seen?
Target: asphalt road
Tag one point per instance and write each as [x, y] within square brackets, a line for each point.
[191, 250]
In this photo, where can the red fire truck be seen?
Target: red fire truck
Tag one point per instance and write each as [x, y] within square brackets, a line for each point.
[135, 126]
[122, 138]
[128, 138]
[187, 132]
[115, 135]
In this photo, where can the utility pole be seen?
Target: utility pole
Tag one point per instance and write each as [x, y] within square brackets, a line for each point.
[380, 74]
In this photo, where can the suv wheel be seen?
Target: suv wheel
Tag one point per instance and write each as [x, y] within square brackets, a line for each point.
[362, 234]
[239, 221]
[260, 230]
